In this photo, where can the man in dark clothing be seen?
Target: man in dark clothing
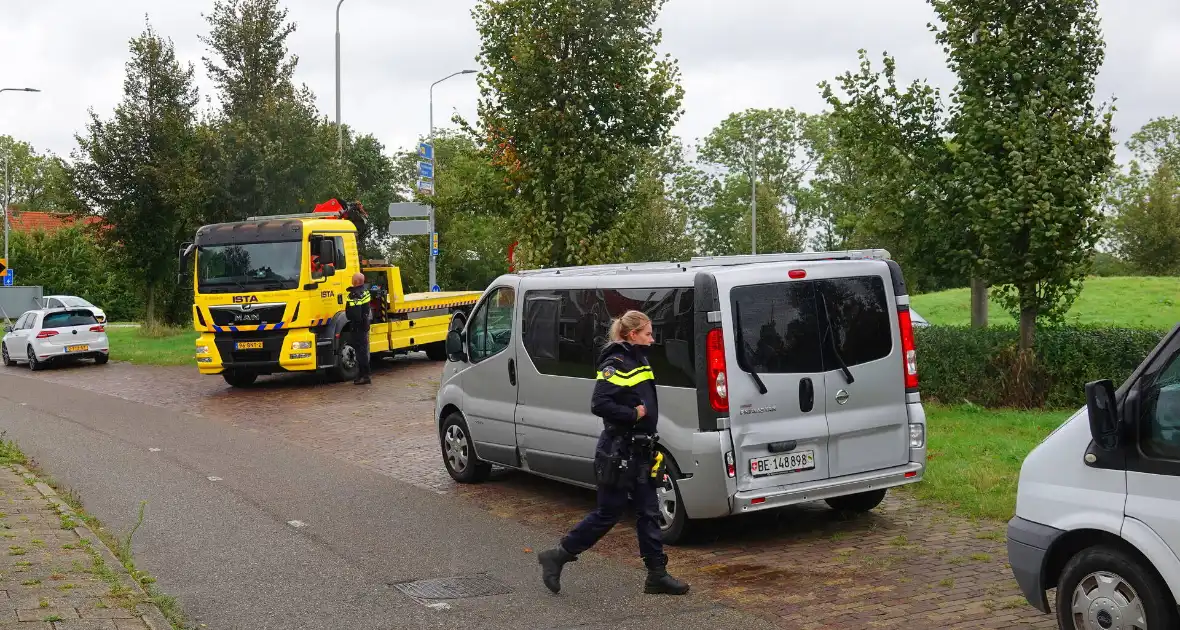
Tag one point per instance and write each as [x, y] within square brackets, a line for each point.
[360, 315]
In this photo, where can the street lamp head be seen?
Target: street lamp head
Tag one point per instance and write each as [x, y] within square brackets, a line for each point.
[31, 90]
[469, 72]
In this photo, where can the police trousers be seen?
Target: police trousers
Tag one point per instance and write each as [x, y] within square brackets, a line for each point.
[612, 502]
[360, 342]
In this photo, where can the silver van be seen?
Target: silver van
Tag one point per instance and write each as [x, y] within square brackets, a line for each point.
[783, 378]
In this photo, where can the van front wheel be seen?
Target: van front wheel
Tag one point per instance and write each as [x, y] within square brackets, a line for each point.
[459, 453]
[674, 524]
[857, 503]
[1104, 587]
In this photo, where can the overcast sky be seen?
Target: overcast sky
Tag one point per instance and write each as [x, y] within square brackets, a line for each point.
[733, 55]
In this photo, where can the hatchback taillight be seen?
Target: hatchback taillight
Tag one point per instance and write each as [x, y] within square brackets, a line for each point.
[715, 366]
[909, 351]
[45, 334]
[98, 329]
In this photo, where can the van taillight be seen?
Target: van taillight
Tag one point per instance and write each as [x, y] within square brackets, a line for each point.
[715, 364]
[908, 349]
[730, 467]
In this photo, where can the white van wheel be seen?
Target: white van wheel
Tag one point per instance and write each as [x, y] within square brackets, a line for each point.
[673, 520]
[1104, 588]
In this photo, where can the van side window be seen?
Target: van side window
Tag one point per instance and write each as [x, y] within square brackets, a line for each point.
[777, 326]
[859, 312]
[490, 330]
[565, 331]
[1161, 434]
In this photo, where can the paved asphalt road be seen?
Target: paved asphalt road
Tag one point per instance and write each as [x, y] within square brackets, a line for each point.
[217, 532]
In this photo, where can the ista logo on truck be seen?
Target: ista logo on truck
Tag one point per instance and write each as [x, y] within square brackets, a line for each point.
[268, 297]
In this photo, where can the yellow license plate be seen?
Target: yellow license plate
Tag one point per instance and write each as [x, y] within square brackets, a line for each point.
[82, 348]
[248, 345]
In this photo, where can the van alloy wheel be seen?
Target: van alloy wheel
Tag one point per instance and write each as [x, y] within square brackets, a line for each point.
[455, 448]
[666, 495]
[1105, 601]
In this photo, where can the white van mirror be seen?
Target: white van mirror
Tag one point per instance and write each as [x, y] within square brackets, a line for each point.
[455, 346]
[1104, 420]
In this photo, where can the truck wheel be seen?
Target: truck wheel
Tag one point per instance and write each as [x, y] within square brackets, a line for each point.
[239, 378]
[857, 503]
[1104, 587]
[463, 465]
[347, 367]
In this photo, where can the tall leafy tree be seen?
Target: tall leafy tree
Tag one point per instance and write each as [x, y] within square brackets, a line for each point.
[1145, 200]
[37, 180]
[135, 169]
[267, 149]
[774, 149]
[1033, 147]
[882, 179]
[574, 96]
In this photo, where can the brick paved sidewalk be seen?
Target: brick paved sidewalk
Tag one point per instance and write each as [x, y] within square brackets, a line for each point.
[55, 573]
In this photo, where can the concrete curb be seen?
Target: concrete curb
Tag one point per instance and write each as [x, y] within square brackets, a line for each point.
[150, 613]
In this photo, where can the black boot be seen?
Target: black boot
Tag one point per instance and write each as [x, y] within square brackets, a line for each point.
[362, 380]
[658, 580]
[551, 563]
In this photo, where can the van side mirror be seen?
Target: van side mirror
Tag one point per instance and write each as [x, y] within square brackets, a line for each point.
[455, 351]
[1104, 418]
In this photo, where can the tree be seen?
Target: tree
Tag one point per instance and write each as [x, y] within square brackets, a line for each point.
[373, 174]
[37, 179]
[1147, 227]
[136, 169]
[773, 148]
[572, 98]
[1157, 144]
[882, 179]
[1033, 149]
[266, 150]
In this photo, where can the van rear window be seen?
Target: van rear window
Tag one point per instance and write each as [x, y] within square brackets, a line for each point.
[69, 318]
[779, 326]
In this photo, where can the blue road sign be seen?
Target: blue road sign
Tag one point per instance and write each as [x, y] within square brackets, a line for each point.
[435, 289]
[425, 151]
[8, 278]
[425, 170]
[434, 244]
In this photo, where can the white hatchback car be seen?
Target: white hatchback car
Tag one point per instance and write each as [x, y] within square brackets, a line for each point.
[43, 336]
[72, 301]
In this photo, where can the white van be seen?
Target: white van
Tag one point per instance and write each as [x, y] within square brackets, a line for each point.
[782, 379]
[1098, 506]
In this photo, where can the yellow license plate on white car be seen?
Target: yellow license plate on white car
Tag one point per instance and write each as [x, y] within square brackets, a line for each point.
[248, 345]
[81, 348]
[782, 464]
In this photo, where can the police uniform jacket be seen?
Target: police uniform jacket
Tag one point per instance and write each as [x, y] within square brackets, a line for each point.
[625, 381]
[357, 308]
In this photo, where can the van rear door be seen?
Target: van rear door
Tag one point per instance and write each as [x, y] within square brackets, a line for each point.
[864, 370]
[776, 382]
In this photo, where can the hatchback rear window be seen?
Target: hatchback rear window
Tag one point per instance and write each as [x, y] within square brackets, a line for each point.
[67, 319]
[780, 326]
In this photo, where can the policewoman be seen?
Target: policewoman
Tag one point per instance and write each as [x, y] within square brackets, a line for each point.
[626, 465]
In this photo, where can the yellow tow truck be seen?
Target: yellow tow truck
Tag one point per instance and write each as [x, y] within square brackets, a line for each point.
[269, 297]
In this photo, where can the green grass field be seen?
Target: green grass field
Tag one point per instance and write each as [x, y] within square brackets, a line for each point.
[161, 347]
[974, 457]
[1125, 302]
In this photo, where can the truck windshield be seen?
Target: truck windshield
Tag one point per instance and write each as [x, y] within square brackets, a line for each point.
[248, 267]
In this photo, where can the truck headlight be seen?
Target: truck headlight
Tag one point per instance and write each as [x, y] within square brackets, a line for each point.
[301, 345]
[202, 349]
[917, 435]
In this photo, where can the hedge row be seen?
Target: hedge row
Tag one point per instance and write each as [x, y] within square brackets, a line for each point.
[958, 364]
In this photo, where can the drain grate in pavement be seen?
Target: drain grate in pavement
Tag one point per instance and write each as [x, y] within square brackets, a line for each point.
[459, 587]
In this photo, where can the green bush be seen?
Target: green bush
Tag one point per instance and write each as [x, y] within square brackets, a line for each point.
[958, 364]
[69, 261]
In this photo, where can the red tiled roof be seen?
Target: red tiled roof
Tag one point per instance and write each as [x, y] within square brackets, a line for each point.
[46, 221]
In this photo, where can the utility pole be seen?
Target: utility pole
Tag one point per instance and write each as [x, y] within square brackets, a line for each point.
[754, 199]
[339, 129]
[7, 189]
[434, 171]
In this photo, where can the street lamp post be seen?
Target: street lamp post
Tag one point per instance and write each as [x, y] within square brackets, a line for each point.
[7, 189]
[339, 129]
[434, 170]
